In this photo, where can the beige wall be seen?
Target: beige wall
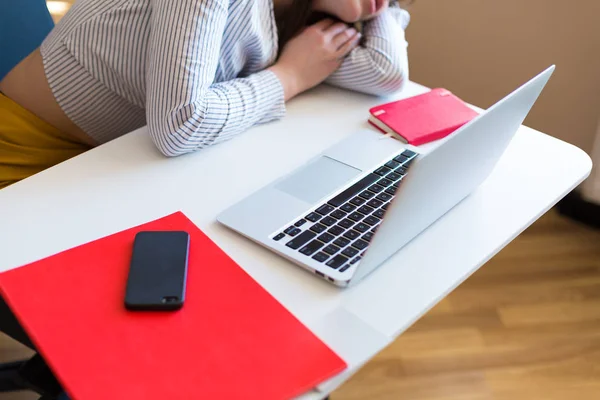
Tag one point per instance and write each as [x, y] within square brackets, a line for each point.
[482, 49]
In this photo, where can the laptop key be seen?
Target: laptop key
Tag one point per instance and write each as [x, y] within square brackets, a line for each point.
[356, 216]
[325, 209]
[329, 221]
[367, 237]
[345, 267]
[408, 153]
[313, 217]
[376, 188]
[358, 201]
[320, 257]
[384, 182]
[310, 248]
[338, 214]
[353, 190]
[367, 194]
[318, 228]
[348, 208]
[331, 249]
[401, 171]
[365, 210]
[385, 206]
[278, 237]
[401, 159]
[362, 228]
[351, 235]
[371, 220]
[375, 203]
[292, 231]
[391, 190]
[394, 176]
[346, 223]
[374, 230]
[360, 244]
[383, 171]
[326, 237]
[357, 259]
[341, 242]
[350, 252]
[384, 197]
[336, 230]
[300, 223]
[392, 164]
[379, 213]
[337, 261]
[301, 240]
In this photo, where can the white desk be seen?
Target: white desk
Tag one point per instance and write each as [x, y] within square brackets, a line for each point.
[126, 182]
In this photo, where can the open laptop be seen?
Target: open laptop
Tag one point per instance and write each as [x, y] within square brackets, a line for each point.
[349, 209]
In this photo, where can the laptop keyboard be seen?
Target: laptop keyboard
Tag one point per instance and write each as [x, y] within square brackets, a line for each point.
[338, 232]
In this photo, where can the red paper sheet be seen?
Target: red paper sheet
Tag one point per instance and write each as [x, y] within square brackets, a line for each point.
[231, 340]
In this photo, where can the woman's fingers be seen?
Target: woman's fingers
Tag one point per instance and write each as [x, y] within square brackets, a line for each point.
[343, 37]
[348, 46]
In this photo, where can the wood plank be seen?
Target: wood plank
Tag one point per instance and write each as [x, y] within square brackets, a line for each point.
[525, 326]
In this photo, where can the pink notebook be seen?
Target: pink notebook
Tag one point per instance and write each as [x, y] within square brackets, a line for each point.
[424, 118]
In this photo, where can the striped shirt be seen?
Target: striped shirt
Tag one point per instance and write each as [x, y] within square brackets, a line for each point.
[193, 71]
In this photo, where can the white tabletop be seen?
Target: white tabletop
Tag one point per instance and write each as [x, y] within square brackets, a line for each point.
[127, 182]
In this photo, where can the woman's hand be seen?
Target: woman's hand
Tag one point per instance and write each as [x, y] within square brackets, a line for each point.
[309, 58]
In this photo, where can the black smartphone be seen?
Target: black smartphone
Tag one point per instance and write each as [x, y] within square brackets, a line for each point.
[158, 271]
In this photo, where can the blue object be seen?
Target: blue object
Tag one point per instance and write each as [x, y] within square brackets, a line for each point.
[23, 26]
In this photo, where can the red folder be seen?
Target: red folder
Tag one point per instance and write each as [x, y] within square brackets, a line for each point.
[231, 339]
[424, 118]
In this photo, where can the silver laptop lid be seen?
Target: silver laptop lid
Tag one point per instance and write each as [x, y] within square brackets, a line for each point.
[438, 181]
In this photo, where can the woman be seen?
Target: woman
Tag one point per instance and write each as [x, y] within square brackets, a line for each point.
[196, 72]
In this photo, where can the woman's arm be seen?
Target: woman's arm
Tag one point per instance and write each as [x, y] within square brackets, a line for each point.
[186, 111]
[380, 65]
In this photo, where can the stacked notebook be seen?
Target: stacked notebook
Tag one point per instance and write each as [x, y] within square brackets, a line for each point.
[422, 119]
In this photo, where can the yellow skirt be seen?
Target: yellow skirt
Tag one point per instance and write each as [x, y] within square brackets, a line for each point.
[29, 145]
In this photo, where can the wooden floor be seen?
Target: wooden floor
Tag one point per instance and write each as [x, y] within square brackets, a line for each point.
[525, 326]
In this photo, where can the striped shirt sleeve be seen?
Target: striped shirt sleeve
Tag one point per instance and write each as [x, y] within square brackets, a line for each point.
[186, 110]
[380, 65]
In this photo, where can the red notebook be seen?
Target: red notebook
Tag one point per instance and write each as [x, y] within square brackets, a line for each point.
[424, 118]
[231, 339]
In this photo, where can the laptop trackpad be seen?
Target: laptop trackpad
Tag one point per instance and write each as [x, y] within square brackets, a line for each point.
[317, 179]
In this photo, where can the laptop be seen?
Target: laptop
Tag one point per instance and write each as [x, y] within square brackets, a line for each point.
[346, 211]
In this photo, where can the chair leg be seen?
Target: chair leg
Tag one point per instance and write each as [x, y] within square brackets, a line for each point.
[10, 377]
[577, 208]
[40, 378]
[33, 375]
